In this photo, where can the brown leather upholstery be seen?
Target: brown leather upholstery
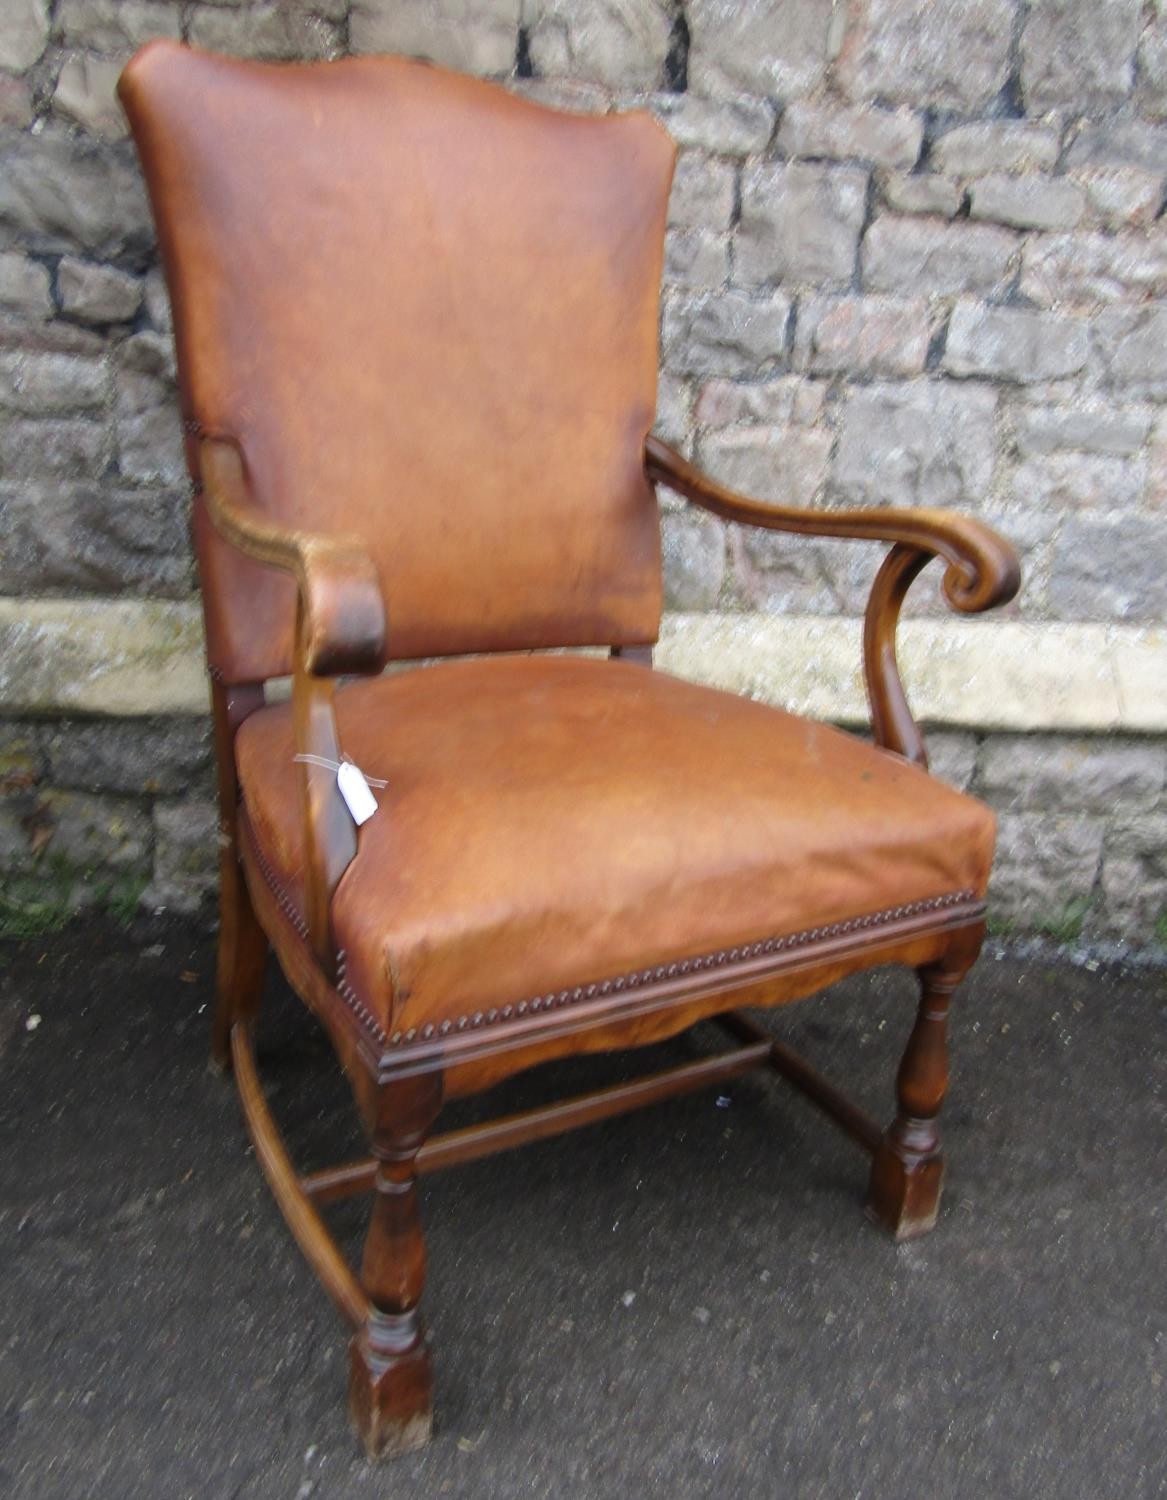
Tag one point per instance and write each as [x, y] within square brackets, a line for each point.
[428, 312]
[557, 821]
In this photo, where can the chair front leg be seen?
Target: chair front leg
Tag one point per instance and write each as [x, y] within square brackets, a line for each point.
[390, 1373]
[907, 1173]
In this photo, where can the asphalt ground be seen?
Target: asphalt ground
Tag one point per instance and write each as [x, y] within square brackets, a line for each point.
[685, 1302]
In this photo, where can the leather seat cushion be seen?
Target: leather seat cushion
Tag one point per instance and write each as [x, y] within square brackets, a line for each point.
[557, 821]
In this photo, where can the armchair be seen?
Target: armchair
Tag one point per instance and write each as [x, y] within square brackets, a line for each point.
[416, 328]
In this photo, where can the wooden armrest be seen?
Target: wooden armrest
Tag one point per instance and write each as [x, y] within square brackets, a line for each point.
[343, 610]
[340, 627]
[982, 567]
[982, 572]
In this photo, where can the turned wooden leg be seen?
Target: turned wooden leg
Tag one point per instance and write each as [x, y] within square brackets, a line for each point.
[242, 958]
[907, 1172]
[390, 1375]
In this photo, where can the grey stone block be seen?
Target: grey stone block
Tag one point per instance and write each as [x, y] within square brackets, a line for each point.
[1120, 197]
[50, 384]
[1119, 143]
[924, 443]
[1152, 67]
[1133, 908]
[790, 398]
[96, 293]
[272, 32]
[115, 26]
[618, 43]
[150, 446]
[952, 757]
[800, 224]
[1087, 267]
[696, 258]
[1006, 343]
[1089, 427]
[1072, 774]
[1054, 483]
[703, 193]
[915, 257]
[862, 335]
[995, 146]
[134, 757]
[755, 47]
[96, 832]
[24, 286]
[22, 757]
[785, 465]
[69, 448]
[1110, 568]
[85, 93]
[734, 126]
[946, 56]
[186, 856]
[474, 36]
[24, 33]
[149, 430]
[158, 301]
[1044, 872]
[920, 193]
[148, 353]
[61, 193]
[63, 536]
[693, 555]
[781, 574]
[673, 410]
[16, 106]
[1131, 347]
[884, 137]
[1027, 202]
[1078, 55]
[727, 333]
[1157, 465]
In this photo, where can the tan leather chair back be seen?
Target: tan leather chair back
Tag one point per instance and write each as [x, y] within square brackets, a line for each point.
[427, 311]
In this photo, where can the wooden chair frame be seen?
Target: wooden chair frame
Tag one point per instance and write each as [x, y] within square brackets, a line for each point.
[400, 1086]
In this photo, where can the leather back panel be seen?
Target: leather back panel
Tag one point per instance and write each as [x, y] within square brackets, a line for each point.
[427, 311]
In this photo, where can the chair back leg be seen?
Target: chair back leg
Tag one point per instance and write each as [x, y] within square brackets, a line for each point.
[243, 945]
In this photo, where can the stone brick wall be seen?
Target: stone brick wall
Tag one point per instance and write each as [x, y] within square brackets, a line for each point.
[917, 255]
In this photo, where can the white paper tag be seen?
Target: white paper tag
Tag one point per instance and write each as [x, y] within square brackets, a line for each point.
[355, 790]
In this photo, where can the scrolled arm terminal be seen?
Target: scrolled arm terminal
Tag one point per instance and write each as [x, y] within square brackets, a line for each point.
[340, 628]
[342, 606]
[982, 571]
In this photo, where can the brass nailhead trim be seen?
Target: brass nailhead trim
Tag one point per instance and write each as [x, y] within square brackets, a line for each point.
[638, 979]
[343, 988]
[641, 978]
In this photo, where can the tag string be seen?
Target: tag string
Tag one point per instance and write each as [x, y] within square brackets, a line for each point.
[334, 765]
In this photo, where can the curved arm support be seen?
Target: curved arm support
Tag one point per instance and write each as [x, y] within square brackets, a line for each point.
[343, 610]
[891, 719]
[982, 567]
[982, 572]
[340, 627]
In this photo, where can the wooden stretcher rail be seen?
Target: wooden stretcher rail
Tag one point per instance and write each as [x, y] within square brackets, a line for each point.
[473, 1141]
[796, 1070]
